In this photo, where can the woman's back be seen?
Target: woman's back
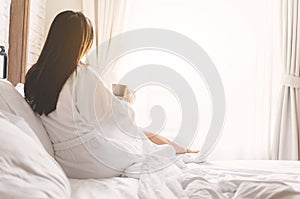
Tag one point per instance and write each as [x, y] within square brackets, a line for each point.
[93, 127]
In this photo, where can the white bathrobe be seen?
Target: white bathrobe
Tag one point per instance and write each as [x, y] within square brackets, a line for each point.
[92, 131]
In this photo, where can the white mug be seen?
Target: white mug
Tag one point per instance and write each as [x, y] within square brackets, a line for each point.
[123, 92]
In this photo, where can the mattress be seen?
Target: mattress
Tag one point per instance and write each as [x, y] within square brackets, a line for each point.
[259, 179]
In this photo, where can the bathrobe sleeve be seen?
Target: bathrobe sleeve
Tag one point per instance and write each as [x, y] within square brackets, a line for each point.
[101, 109]
[111, 116]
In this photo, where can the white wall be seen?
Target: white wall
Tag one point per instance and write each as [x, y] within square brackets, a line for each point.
[4, 27]
[53, 7]
[42, 13]
[4, 22]
[36, 30]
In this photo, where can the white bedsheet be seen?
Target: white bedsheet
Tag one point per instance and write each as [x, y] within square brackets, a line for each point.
[218, 179]
[119, 188]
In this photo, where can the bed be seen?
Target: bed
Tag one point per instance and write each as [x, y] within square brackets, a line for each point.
[216, 179]
[33, 173]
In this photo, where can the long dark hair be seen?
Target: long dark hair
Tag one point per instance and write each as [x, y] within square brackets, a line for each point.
[69, 38]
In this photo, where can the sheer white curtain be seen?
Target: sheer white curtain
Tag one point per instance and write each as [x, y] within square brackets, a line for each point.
[107, 17]
[287, 129]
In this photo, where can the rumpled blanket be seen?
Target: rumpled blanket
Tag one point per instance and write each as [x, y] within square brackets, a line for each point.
[176, 180]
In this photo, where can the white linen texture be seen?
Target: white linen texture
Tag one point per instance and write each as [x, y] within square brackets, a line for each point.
[27, 170]
[12, 101]
[207, 181]
[21, 124]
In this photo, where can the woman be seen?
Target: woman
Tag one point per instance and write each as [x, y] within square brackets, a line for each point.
[76, 107]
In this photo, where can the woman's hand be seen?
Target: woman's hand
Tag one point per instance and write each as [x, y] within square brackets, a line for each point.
[157, 139]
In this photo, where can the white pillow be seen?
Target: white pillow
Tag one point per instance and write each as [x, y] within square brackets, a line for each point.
[26, 169]
[20, 88]
[14, 103]
[21, 124]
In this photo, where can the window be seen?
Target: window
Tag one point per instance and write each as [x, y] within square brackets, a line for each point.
[240, 37]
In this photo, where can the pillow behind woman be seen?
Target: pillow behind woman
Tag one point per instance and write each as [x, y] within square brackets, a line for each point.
[26, 169]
